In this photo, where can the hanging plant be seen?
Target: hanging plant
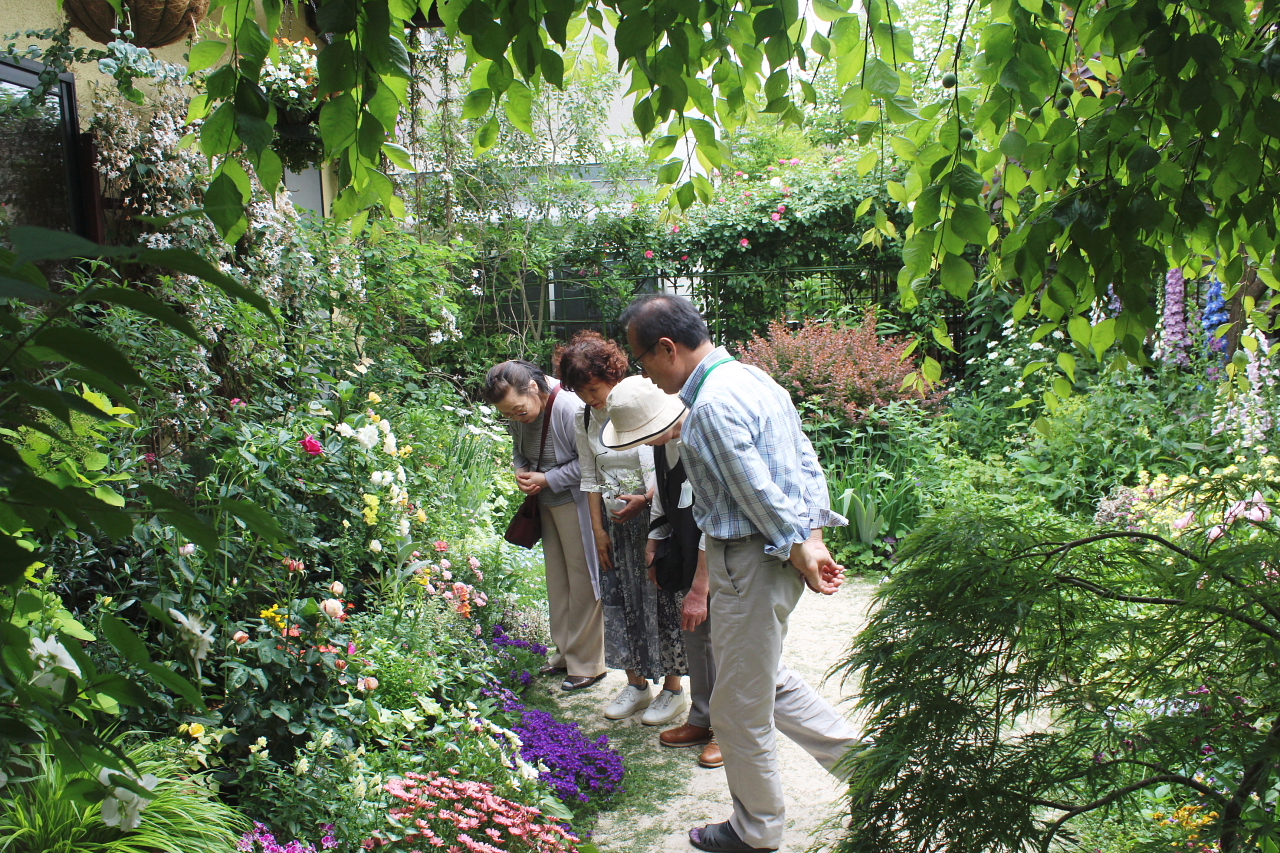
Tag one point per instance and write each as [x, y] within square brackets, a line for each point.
[290, 84]
[153, 23]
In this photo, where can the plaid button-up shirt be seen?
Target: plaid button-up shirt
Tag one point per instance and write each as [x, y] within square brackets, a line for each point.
[752, 468]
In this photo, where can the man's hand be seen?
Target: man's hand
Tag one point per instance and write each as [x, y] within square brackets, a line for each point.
[821, 573]
[531, 482]
[694, 612]
[635, 505]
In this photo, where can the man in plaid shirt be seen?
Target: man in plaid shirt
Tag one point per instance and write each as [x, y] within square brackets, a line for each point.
[760, 500]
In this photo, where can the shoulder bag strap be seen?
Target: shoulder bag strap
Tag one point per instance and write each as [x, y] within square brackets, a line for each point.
[546, 422]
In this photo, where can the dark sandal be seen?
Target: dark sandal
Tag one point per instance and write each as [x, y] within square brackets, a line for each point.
[581, 682]
[721, 838]
[552, 670]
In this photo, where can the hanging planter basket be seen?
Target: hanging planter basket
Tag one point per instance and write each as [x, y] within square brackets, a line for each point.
[154, 23]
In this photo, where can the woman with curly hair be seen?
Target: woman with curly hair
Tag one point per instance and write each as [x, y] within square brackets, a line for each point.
[641, 621]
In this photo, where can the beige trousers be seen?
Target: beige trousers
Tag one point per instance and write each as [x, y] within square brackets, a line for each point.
[577, 620]
[755, 696]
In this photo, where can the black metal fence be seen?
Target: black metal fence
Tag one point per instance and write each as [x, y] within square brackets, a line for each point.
[736, 303]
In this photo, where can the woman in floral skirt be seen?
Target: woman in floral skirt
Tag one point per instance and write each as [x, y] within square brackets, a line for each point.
[641, 621]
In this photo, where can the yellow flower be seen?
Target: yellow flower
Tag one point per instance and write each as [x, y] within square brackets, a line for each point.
[374, 418]
[273, 615]
[422, 515]
[374, 398]
[195, 730]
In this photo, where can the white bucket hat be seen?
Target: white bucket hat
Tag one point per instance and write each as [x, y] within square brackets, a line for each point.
[639, 411]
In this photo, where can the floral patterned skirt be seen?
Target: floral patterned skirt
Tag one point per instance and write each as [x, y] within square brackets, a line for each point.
[641, 622]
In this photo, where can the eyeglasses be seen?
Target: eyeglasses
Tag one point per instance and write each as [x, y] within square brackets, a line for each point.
[515, 413]
[637, 363]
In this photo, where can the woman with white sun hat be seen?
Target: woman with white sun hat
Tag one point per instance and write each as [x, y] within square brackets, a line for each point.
[639, 413]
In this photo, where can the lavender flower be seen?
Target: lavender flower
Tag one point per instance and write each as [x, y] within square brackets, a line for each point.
[261, 840]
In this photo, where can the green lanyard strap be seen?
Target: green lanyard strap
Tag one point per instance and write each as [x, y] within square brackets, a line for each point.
[702, 381]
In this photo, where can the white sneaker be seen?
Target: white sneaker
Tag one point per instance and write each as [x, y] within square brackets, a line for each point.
[629, 700]
[665, 708]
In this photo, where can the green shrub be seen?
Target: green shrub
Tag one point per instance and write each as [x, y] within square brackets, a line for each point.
[1024, 671]
[41, 814]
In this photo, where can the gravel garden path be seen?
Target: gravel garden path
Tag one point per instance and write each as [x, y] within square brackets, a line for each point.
[668, 792]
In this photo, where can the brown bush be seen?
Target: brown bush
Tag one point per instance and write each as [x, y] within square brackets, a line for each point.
[848, 368]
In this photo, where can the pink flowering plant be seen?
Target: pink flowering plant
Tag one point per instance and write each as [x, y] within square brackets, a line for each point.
[441, 811]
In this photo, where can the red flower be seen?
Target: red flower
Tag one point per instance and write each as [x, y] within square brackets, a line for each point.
[312, 446]
[648, 253]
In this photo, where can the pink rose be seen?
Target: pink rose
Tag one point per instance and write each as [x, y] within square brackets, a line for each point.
[782, 208]
[1186, 521]
[473, 562]
[240, 638]
[312, 446]
[684, 257]
[441, 545]
[775, 216]
[1216, 532]
[332, 607]
[744, 243]
[186, 550]
[445, 564]
[795, 161]
[337, 588]
[366, 684]
[648, 253]
[675, 229]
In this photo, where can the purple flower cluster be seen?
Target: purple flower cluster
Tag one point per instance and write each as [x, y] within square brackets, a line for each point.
[502, 639]
[1215, 314]
[520, 652]
[261, 840]
[1176, 339]
[576, 768]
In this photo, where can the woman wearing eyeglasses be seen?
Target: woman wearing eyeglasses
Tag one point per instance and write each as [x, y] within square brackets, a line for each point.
[641, 622]
[526, 396]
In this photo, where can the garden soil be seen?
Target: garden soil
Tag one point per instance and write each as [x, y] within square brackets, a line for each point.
[671, 792]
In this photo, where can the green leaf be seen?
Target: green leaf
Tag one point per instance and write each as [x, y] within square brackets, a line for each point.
[487, 135]
[170, 679]
[259, 520]
[880, 79]
[1143, 158]
[966, 182]
[223, 203]
[552, 65]
[87, 349]
[634, 34]
[1067, 362]
[125, 641]
[14, 561]
[338, 123]
[1080, 331]
[181, 516]
[931, 369]
[957, 276]
[519, 107]
[398, 155]
[43, 244]
[477, 103]
[151, 307]
[12, 288]
[829, 11]
[185, 261]
[970, 223]
[205, 55]
[670, 171]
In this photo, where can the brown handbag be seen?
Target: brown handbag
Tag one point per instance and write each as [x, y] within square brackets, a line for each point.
[525, 528]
